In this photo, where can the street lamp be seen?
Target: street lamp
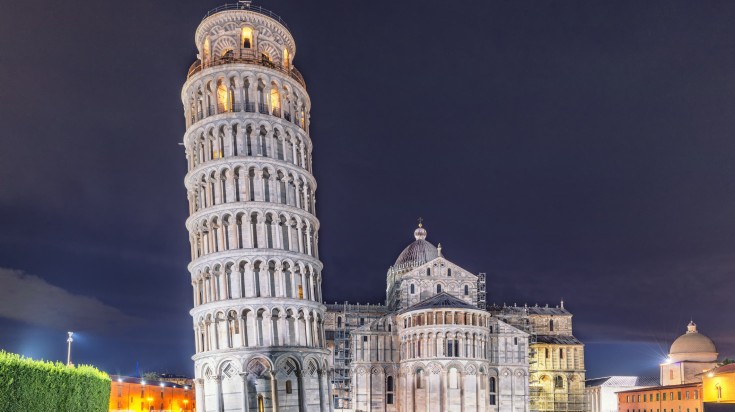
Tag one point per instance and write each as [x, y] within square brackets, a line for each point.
[68, 351]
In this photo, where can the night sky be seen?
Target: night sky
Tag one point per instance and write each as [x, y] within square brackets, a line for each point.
[571, 149]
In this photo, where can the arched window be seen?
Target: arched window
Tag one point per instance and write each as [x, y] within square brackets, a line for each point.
[289, 387]
[438, 288]
[551, 325]
[558, 382]
[466, 290]
[420, 378]
[718, 388]
[428, 271]
[206, 51]
[413, 289]
[275, 101]
[247, 38]
[286, 59]
[453, 379]
[493, 391]
[389, 390]
[449, 271]
[339, 321]
[223, 97]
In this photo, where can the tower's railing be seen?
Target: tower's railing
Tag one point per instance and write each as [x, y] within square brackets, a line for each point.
[247, 7]
[291, 72]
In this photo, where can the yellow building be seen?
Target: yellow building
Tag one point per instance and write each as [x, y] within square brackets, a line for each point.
[718, 385]
[136, 395]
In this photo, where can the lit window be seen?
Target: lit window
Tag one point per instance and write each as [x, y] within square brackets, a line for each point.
[247, 38]
[286, 59]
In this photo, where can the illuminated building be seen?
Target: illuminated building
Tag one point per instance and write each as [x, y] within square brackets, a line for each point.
[602, 393]
[136, 395]
[556, 356]
[676, 398]
[432, 347]
[690, 355]
[255, 268]
[718, 387]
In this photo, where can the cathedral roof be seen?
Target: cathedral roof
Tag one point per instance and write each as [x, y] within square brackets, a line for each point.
[418, 252]
[441, 300]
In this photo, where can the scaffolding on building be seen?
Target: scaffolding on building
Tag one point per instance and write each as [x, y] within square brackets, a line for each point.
[481, 291]
[349, 316]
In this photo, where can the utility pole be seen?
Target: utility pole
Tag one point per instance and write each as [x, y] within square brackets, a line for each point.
[68, 351]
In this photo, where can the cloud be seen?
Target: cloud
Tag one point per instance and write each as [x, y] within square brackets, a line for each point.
[30, 299]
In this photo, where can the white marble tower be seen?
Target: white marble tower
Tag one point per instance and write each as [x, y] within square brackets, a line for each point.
[255, 269]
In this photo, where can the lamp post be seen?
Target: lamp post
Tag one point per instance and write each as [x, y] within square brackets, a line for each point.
[68, 351]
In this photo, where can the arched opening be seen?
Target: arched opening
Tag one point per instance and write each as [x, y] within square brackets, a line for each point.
[453, 378]
[286, 59]
[247, 38]
[223, 98]
[206, 51]
[275, 101]
[438, 288]
[389, 390]
[420, 384]
[558, 382]
[466, 290]
[493, 391]
[551, 325]
[261, 406]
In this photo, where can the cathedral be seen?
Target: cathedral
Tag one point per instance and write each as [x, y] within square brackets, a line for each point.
[264, 338]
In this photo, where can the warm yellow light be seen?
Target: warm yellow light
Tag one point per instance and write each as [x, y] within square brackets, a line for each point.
[247, 37]
[709, 375]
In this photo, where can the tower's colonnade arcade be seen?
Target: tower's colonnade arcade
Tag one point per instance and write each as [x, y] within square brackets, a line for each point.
[255, 271]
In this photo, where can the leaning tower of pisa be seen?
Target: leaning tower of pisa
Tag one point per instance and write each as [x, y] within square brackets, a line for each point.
[255, 269]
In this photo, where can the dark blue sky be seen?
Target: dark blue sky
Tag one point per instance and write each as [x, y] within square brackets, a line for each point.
[570, 149]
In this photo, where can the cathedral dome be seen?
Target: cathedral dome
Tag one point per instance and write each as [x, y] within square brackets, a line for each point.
[693, 346]
[418, 252]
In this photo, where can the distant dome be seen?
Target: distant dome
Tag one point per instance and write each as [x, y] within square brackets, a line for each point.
[693, 346]
[418, 252]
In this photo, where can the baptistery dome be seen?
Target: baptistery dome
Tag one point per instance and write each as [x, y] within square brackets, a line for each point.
[418, 252]
[693, 346]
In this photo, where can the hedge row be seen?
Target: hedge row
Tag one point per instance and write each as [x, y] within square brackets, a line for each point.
[27, 385]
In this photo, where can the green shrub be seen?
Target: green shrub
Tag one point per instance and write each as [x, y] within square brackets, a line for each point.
[27, 385]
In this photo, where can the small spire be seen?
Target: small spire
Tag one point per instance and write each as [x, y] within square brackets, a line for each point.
[692, 327]
[439, 248]
[562, 303]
